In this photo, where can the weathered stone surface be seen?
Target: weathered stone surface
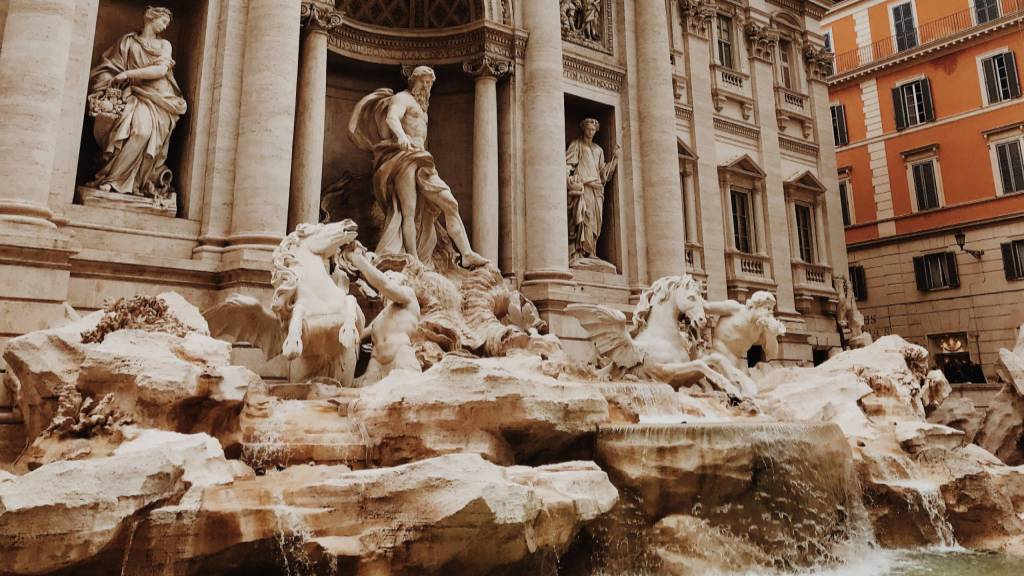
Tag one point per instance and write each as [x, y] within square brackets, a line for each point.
[1010, 368]
[65, 513]
[690, 546]
[959, 413]
[915, 436]
[1002, 432]
[455, 514]
[789, 489]
[985, 503]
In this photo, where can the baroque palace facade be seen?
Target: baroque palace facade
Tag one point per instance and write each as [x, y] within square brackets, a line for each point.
[717, 110]
[929, 121]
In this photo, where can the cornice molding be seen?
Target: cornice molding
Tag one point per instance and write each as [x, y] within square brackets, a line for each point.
[447, 46]
[592, 73]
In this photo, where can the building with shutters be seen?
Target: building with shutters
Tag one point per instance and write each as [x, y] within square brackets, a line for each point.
[928, 121]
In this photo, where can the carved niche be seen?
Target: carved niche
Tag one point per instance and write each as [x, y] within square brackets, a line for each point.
[587, 23]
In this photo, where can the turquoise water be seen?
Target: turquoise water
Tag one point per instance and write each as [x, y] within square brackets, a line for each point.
[945, 562]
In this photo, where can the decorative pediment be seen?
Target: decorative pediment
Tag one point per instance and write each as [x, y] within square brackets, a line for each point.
[743, 165]
[805, 182]
[685, 151]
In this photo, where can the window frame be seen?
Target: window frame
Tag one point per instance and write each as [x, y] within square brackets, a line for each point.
[1001, 177]
[1013, 259]
[914, 183]
[855, 272]
[805, 235]
[787, 70]
[729, 42]
[914, 25]
[750, 228]
[924, 107]
[1012, 77]
[975, 16]
[845, 202]
[947, 267]
[838, 119]
[995, 137]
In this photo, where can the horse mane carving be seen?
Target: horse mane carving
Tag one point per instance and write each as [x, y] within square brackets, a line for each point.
[661, 289]
[283, 278]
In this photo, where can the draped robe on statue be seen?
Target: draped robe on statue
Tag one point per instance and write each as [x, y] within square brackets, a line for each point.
[588, 175]
[369, 131]
[135, 143]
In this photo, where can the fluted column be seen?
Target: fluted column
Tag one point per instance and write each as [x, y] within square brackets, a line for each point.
[265, 125]
[663, 209]
[318, 19]
[547, 227]
[487, 71]
[33, 62]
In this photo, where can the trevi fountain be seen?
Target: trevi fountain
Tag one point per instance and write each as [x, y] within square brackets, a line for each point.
[430, 422]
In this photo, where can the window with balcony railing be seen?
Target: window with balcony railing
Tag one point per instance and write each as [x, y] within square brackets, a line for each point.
[986, 10]
[725, 42]
[742, 220]
[903, 25]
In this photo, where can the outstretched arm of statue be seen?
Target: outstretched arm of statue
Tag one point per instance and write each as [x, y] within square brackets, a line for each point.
[292, 347]
[390, 290]
[723, 307]
[396, 111]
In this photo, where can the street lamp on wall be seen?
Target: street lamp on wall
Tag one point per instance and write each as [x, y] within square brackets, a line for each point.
[961, 239]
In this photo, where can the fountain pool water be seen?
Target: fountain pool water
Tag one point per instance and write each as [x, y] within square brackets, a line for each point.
[923, 562]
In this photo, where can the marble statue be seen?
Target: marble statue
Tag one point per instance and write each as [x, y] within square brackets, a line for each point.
[740, 326]
[406, 184]
[391, 331]
[135, 103]
[848, 315]
[313, 320]
[588, 174]
[655, 345]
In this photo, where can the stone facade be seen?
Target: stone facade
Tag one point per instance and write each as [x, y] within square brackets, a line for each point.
[270, 86]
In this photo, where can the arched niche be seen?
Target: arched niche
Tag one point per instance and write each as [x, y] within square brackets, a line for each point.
[186, 33]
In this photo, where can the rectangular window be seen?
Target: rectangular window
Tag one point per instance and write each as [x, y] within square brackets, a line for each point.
[839, 133]
[912, 103]
[724, 29]
[1013, 259]
[785, 63]
[742, 221]
[985, 10]
[1011, 166]
[1001, 80]
[925, 187]
[859, 283]
[805, 232]
[844, 201]
[936, 271]
[903, 24]
[827, 39]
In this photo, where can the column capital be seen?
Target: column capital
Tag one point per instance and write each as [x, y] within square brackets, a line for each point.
[697, 16]
[761, 41]
[319, 16]
[819, 62]
[487, 65]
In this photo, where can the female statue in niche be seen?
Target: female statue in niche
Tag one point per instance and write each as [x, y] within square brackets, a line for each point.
[588, 173]
[136, 103]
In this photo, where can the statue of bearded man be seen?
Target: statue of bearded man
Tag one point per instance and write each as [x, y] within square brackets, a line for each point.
[405, 182]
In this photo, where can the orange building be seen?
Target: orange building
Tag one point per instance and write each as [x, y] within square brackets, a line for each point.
[929, 126]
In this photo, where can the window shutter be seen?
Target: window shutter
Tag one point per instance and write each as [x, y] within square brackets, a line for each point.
[899, 108]
[860, 282]
[1008, 265]
[919, 274]
[954, 274]
[1011, 70]
[988, 65]
[844, 137]
[1005, 172]
[929, 106]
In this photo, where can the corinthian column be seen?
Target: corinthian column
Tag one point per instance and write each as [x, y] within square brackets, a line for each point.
[659, 165]
[33, 62]
[547, 228]
[266, 125]
[487, 71]
[318, 18]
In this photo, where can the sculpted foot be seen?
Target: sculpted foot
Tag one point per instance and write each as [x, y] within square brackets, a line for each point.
[472, 260]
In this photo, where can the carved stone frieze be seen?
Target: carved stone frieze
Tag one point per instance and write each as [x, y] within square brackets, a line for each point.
[398, 47]
[319, 16]
[588, 72]
[798, 146]
[697, 16]
[819, 62]
[587, 23]
[487, 65]
[735, 128]
[761, 41]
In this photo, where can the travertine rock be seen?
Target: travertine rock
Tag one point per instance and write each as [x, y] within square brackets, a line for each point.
[789, 489]
[455, 514]
[690, 546]
[959, 413]
[1002, 432]
[915, 436]
[65, 513]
